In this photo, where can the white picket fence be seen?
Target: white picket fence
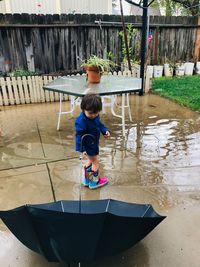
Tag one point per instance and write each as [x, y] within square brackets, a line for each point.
[26, 90]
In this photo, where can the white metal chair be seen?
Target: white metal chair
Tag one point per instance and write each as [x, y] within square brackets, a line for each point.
[112, 103]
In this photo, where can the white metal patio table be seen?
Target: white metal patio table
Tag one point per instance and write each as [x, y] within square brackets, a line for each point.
[77, 86]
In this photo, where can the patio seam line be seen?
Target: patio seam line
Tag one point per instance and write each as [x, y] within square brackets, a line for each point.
[40, 137]
[64, 159]
[20, 174]
[51, 183]
[48, 170]
[40, 163]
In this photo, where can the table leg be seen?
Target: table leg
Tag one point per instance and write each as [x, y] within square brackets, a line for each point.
[123, 115]
[113, 100]
[125, 97]
[128, 105]
[60, 111]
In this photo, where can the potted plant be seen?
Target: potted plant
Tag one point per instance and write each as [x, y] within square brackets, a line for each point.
[96, 66]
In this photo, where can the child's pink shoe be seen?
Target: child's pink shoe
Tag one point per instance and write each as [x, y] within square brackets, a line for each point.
[101, 182]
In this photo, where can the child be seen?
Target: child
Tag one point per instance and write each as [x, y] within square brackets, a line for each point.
[88, 128]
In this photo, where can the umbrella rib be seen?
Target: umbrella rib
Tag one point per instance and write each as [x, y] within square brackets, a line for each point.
[62, 206]
[146, 211]
[107, 205]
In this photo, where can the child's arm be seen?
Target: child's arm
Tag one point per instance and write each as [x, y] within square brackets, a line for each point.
[104, 130]
[80, 131]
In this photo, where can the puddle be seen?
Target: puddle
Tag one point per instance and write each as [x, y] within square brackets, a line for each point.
[160, 153]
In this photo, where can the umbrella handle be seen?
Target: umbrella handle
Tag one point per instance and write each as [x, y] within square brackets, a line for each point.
[85, 135]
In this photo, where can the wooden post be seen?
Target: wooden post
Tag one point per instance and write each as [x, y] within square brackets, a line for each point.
[197, 44]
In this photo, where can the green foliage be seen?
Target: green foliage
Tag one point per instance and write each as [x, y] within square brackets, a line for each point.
[189, 7]
[23, 72]
[131, 33]
[104, 65]
[169, 6]
[111, 56]
[183, 90]
[184, 8]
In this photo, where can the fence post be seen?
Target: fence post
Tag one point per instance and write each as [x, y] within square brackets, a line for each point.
[197, 44]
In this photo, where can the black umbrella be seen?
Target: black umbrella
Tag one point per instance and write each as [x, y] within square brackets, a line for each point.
[81, 231]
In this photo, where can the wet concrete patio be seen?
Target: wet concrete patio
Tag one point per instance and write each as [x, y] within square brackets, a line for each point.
[158, 163]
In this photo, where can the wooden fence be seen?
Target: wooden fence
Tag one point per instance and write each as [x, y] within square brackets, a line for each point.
[27, 90]
[55, 43]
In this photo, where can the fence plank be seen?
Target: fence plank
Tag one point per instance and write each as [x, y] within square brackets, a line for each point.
[42, 94]
[15, 90]
[21, 93]
[10, 92]
[34, 89]
[45, 81]
[56, 95]
[31, 91]
[51, 93]
[26, 91]
[4, 92]
[37, 86]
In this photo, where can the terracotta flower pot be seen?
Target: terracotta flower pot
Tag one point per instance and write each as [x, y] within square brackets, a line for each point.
[93, 74]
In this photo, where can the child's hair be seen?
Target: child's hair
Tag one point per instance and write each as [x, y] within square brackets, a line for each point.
[91, 102]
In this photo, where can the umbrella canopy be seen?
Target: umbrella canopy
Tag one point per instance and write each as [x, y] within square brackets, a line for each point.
[81, 231]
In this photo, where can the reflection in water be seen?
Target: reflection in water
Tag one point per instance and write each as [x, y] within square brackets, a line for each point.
[161, 155]
[169, 142]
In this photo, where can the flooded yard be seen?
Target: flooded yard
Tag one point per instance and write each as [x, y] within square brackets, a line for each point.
[158, 162]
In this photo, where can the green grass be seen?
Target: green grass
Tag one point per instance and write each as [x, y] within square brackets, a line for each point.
[183, 90]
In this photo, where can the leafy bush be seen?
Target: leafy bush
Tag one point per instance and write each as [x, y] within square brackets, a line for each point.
[23, 72]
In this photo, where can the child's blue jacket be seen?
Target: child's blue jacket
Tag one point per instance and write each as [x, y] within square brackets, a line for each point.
[85, 125]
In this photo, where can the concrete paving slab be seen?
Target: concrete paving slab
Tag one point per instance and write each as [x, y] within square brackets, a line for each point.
[24, 186]
[30, 136]
[14, 254]
[20, 143]
[65, 177]
[56, 144]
